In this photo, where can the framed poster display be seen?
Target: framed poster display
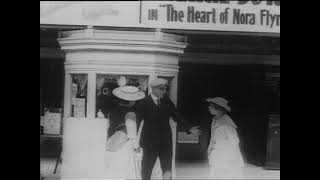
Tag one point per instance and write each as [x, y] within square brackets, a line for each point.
[79, 95]
[52, 121]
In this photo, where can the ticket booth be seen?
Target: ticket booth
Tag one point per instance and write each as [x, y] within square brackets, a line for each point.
[135, 42]
[96, 62]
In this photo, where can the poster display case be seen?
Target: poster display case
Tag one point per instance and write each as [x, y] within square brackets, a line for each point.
[52, 121]
[79, 95]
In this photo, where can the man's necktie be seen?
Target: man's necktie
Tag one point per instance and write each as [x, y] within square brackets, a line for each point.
[158, 101]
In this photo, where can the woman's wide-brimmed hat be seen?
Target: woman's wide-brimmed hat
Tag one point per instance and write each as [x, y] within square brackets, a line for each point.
[128, 93]
[220, 102]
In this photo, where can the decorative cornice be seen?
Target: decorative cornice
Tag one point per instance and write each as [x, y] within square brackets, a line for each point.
[122, 52]
[108, 40]
[120, 34]
[122, 68]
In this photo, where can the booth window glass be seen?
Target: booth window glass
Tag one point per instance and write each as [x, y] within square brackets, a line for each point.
[106, 83]
[111, 106]
[79, 95]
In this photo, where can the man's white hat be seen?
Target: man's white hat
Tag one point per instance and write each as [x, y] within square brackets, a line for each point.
[220, 102]
[158, 82]
[128, 93]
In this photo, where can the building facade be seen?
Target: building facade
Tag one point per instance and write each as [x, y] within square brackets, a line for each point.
[204, 48]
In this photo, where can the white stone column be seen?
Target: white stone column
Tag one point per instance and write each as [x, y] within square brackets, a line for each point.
[67, 95]
[91, 95]
[174, 96]
[174, 90]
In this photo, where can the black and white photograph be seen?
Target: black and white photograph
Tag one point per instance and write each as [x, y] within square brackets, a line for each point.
[149, 90]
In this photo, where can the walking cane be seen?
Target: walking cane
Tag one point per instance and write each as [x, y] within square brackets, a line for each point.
[137, 162]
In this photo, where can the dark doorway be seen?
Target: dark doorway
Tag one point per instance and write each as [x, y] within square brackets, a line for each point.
[242, 86]
[51, 83]
[51, 70]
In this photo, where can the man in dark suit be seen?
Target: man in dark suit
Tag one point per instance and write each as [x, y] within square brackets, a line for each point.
[156, 135]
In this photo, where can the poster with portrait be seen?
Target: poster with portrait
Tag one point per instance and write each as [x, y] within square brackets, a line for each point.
[52, 121]
[79, 95]
[79, 107]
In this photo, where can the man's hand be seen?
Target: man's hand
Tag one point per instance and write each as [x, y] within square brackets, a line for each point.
[195, 130]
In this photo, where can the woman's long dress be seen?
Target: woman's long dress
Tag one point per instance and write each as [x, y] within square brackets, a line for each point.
[121, 164]
[124, 163]
[226, 159]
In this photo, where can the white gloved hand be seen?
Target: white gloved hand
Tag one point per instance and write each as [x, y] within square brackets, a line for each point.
[138, 153]
[134, 143]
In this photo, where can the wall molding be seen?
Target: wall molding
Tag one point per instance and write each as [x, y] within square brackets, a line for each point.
[230, 59]
[129, 41]
[122, 68]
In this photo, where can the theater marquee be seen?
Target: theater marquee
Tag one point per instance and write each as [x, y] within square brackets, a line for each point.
[240, 16]
[248, 16]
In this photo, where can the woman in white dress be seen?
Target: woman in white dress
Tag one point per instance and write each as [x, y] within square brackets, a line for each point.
[224, 153]
[123, 152]
[122, 148]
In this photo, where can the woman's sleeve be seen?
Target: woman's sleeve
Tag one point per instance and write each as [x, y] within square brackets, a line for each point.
[131, 125]
[132, 130]
[211, 143]
[138, 110]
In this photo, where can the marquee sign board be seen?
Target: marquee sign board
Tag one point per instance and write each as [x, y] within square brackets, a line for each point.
[237, 16]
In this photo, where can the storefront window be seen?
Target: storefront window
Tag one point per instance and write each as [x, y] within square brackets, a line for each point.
[105, 100]
[79, 95]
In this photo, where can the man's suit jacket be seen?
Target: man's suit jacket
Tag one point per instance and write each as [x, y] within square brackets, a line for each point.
[156, 132]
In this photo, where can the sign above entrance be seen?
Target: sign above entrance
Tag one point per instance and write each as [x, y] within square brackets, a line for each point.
[90, 13]
[214, 15]
[244, 16]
